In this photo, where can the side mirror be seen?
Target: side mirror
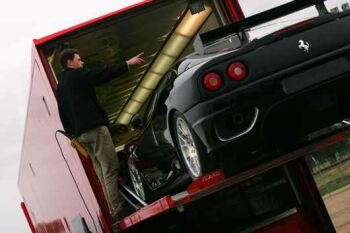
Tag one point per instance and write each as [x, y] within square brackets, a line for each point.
[136, 122]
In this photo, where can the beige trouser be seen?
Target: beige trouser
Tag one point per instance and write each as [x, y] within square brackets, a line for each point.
[98, 142]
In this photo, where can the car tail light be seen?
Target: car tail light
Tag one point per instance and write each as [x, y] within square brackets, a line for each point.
[212, 81]
[237, 71]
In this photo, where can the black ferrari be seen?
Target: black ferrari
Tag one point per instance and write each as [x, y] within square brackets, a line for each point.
[239, 101]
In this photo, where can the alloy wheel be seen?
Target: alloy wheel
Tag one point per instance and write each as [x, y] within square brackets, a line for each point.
[136, 179]
[188, 148]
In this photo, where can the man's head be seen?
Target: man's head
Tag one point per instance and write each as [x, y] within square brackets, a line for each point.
[70, 58]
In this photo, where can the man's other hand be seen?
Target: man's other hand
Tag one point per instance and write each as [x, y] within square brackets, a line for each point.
[137, 60]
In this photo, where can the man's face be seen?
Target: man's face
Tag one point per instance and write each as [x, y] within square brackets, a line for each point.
[75, 63]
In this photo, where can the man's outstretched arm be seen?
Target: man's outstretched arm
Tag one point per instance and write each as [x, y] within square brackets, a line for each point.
[97, 77]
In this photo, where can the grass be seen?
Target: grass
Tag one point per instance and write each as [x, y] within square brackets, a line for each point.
[334, 186]
[333, 178]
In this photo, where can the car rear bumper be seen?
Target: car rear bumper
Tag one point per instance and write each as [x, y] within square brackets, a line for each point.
[239, 119]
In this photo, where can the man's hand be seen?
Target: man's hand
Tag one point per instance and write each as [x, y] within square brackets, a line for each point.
[137, 60]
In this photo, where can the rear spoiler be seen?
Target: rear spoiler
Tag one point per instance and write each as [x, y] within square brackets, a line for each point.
[261, 18]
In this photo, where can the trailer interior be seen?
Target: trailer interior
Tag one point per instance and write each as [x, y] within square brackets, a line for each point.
[276, 196]
[163, 30]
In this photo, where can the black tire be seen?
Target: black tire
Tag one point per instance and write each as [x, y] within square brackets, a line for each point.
[203, 160]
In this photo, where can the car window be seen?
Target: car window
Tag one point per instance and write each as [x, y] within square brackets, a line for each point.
[153, 101]
[151, 106]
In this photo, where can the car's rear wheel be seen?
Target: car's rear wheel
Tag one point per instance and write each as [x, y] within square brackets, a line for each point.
[136, 179]
[189, 147]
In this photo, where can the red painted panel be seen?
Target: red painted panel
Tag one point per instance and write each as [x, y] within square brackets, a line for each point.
[206, 181]
[54, 192]
[158, 207]
[105, 216]
[234, 9]
[296, 223]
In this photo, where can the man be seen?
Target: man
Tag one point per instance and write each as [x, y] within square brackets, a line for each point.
[83, 117]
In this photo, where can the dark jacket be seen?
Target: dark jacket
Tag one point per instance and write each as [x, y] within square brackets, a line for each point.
[78, 106]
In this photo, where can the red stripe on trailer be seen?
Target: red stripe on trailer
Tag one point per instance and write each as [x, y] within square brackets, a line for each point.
[158, 207]
[235, 10]
[29, 220]
[103, 221]
[280, 32]
[332, 140]
[206, 181]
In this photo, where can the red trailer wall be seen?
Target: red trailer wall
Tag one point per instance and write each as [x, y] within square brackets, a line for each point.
[54, 193]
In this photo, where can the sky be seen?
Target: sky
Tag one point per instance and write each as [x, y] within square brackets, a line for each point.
[20, 22]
